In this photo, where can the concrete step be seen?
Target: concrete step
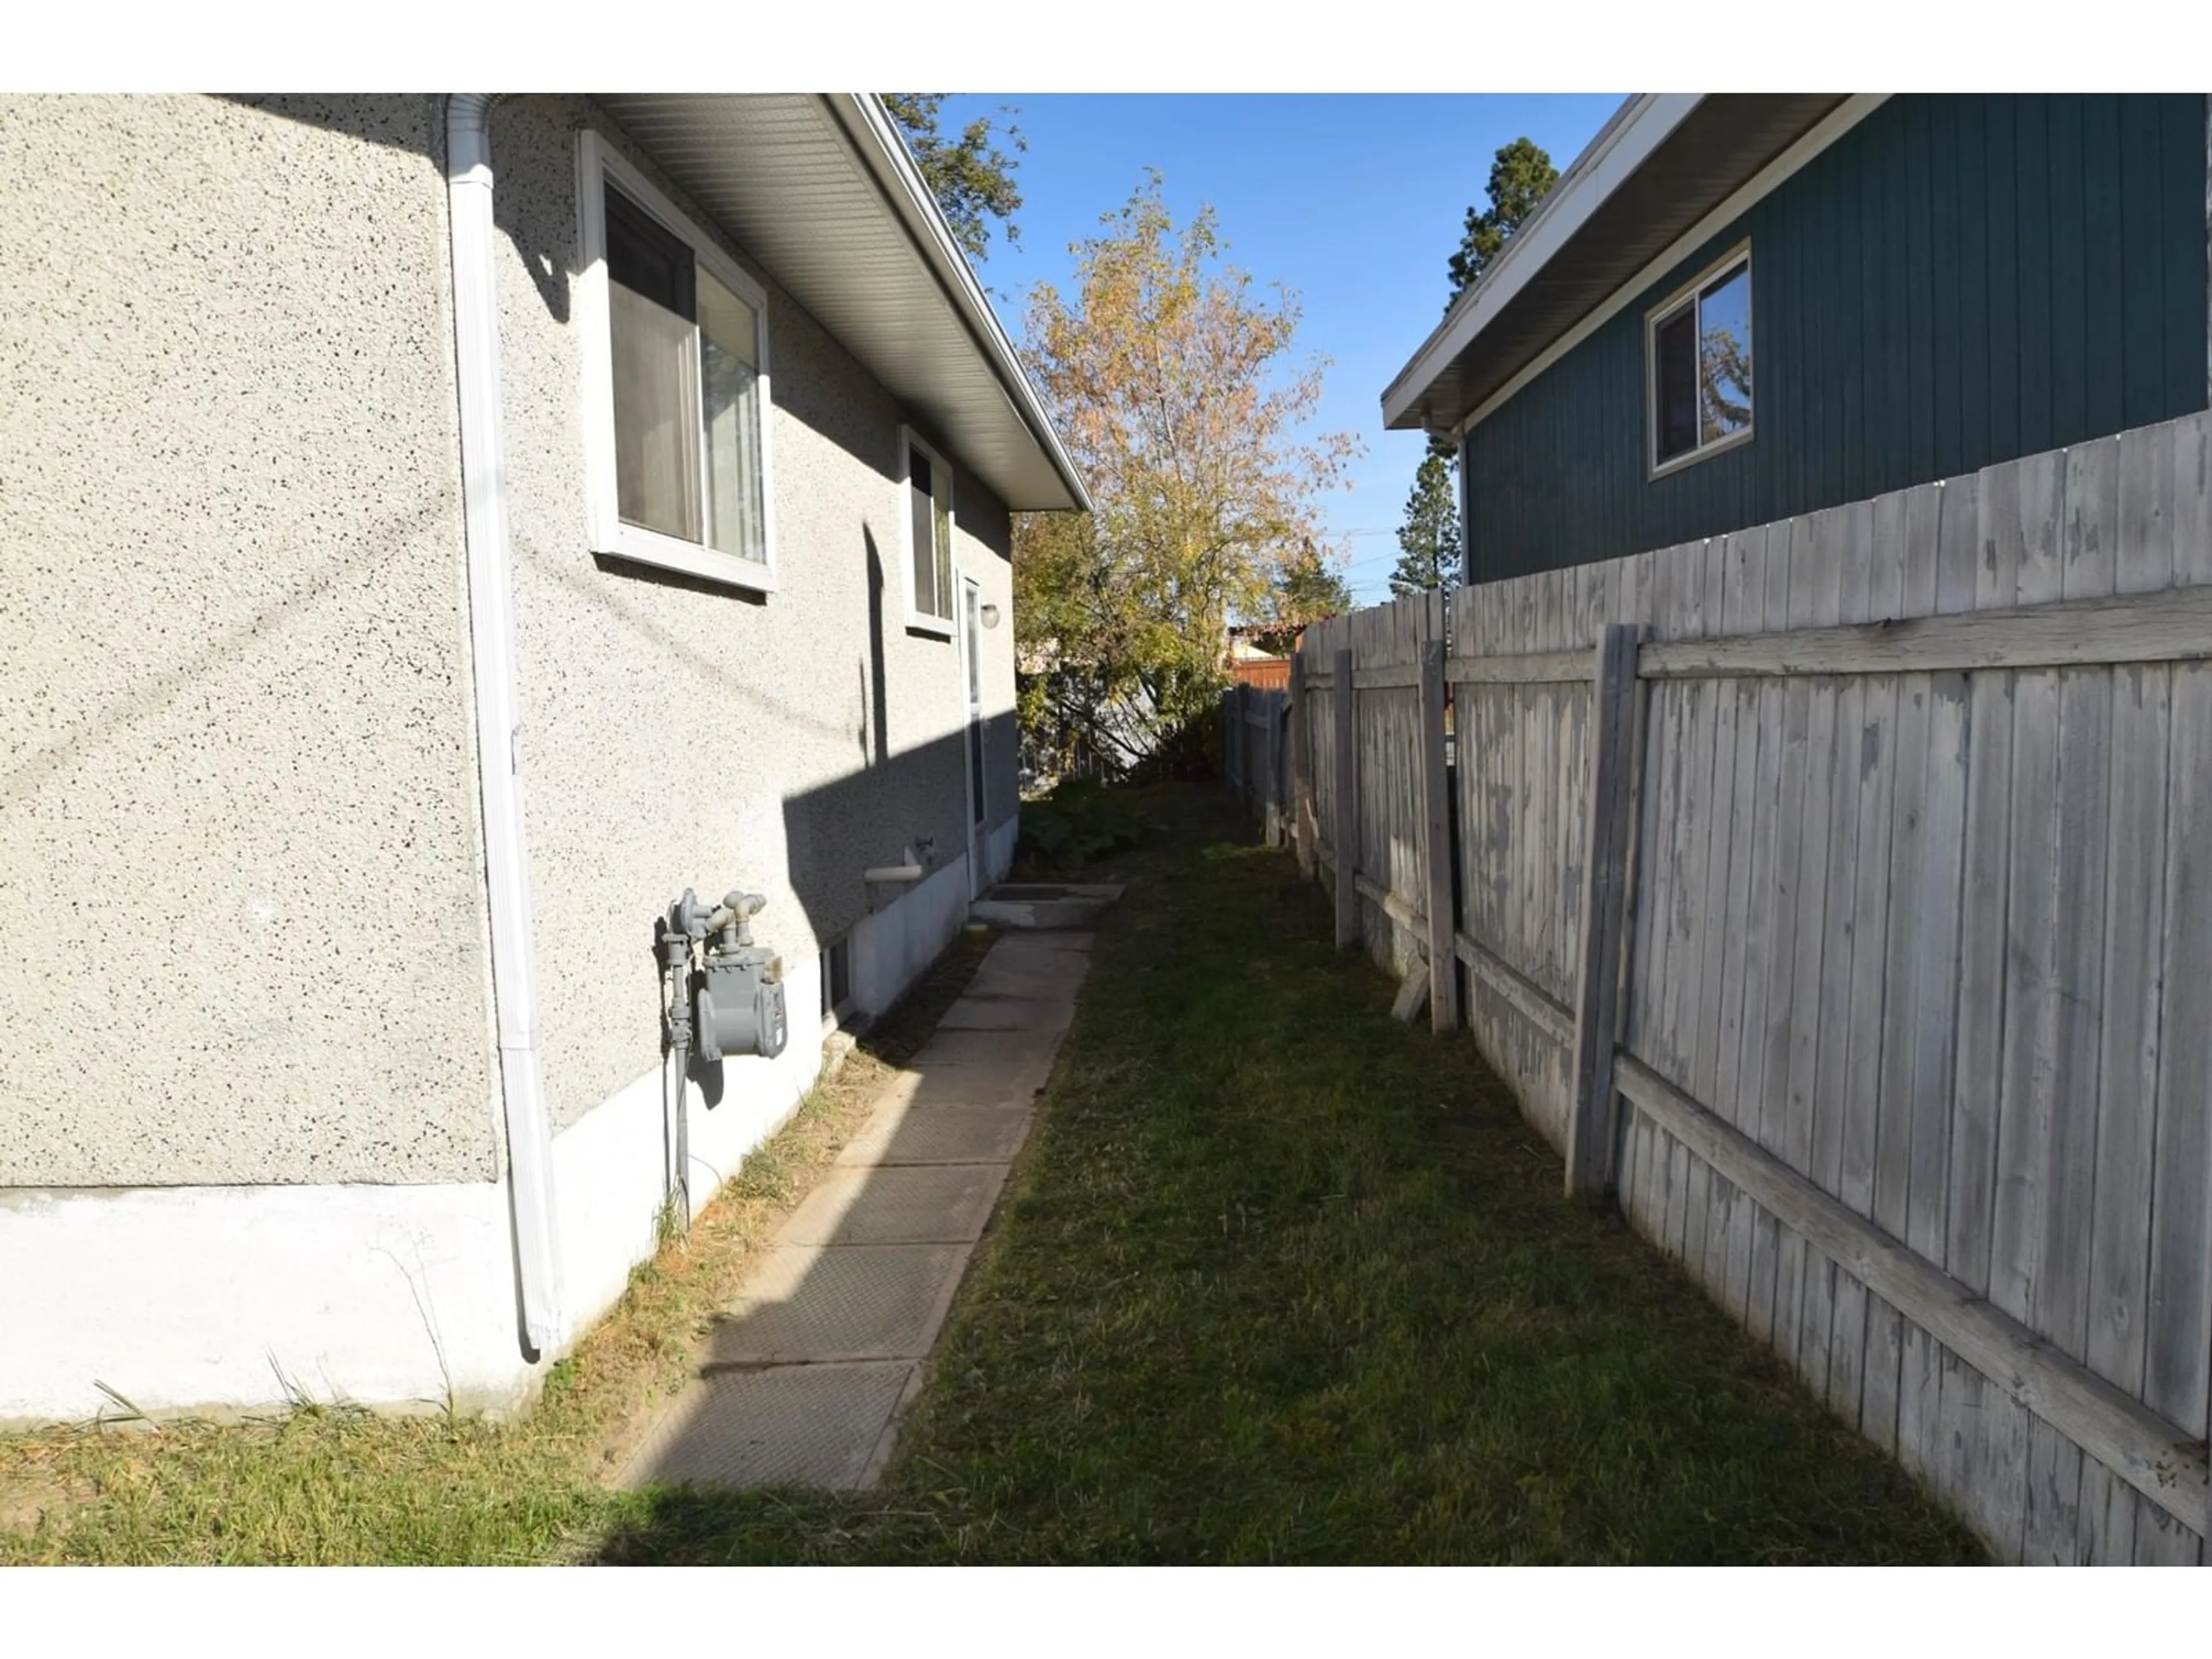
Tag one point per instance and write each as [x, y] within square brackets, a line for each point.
[1044, 905]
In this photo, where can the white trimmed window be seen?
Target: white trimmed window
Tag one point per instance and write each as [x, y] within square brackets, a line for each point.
[677, 385]
[928, 535]
[1697, 364]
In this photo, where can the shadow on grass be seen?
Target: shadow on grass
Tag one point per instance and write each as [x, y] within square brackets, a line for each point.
[1279, 1280]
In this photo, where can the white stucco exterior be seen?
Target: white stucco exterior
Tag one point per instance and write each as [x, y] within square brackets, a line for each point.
[248, 1066]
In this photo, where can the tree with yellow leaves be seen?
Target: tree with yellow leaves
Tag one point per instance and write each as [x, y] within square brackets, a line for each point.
[1169, 380]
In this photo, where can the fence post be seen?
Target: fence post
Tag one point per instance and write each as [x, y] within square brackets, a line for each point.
[1347, 831]
[1436, 807]
[1302, 826]
[1229, 736]
[1271, 803]
[1283, 792]
[1610, 815]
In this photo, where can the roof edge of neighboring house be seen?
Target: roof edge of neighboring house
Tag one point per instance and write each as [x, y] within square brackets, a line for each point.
[1664, 172]
[868, 124]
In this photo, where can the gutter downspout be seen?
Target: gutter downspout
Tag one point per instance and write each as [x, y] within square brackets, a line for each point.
[491, 644]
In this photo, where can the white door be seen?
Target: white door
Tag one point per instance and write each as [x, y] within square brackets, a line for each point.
[971, 653]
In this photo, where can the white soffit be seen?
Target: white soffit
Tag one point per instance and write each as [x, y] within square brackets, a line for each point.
[817, 190]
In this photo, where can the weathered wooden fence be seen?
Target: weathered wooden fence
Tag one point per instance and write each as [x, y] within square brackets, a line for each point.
[1837, 896]
[1255, 756]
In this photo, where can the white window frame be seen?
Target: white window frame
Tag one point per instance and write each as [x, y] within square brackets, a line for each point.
[1664, 311]
[920, 621]
[597, 168]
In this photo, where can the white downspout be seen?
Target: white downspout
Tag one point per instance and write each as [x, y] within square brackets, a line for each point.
[491, 640]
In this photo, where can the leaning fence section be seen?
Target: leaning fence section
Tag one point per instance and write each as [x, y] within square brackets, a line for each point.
[1255, 755]
[1837, 896]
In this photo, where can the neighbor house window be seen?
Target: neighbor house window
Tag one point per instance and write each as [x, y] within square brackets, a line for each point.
[928, 537]
[1698, 358]
[677, 365]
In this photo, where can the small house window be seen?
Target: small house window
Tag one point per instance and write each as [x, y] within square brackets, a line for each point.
[928, 537]
[1698, 354]
[837, 977]
[680, 452]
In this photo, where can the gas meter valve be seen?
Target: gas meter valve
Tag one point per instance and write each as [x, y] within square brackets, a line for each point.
[741, 992]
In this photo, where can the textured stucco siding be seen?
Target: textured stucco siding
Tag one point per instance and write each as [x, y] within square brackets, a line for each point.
[986, 554]
[678, 733]
[241, 930]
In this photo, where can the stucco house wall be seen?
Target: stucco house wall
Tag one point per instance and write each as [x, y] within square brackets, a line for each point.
[247, 1061]
[242, 936]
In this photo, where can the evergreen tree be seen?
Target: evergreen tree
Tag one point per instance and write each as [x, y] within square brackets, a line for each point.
[1520, 175]
[1428, 541]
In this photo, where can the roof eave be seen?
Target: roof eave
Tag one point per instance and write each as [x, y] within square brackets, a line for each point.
[1667, 172]
[868, 124]
[1627, 138]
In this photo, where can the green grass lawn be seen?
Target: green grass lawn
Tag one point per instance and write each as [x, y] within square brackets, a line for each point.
[1278, 1280]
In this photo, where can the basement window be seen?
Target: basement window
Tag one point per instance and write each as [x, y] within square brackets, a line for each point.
[1698, 362]
[836, 979]
[928, 536]
[677, 351]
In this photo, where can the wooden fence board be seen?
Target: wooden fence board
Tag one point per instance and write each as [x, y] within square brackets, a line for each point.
[1945, 1441]
[2177, 1328]
[1750, 1235]
[1910, 936]
[1778, 1254]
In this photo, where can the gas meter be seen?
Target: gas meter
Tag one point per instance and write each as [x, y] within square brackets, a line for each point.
[739, 990]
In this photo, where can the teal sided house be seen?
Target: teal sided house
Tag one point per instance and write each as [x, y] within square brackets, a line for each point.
[1739, 309]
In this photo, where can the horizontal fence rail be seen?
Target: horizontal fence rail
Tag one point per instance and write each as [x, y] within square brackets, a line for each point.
[1837, 896]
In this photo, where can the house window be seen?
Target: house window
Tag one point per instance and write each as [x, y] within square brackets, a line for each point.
[678, 386]
[928, 537]
[1698, 351]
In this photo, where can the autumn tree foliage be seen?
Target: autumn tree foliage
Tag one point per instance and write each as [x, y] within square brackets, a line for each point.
[1171, 382]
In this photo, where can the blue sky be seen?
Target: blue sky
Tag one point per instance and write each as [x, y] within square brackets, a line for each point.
[1355, 202]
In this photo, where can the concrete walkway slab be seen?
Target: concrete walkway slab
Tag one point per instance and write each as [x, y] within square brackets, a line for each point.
[1015, 1048]
[975, 1013]
[1037, 976]
[807, 1425]
[814, 1302]
[1013, 1081]
[807, 1377]
[926, 1204]
[942, 1134]
[1077, 943]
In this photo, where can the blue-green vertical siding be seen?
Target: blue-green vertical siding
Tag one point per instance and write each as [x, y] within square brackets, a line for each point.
[1957, 281]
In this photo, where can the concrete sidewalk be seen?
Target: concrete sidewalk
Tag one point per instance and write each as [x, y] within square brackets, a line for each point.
[808, 1375]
